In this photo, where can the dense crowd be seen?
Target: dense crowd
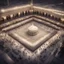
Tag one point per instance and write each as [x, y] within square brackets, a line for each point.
[20, 54]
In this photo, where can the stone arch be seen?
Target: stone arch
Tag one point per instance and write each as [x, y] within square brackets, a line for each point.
[52, 17]
[40, 13]
[48, 15]
[11, 16]
[37, 12]
[8, 17]
[59, 19]
[43, 13]
[34, 12]
[28, 12]
[24, 12]
[4, 18]
[56, 18]
[19, 13]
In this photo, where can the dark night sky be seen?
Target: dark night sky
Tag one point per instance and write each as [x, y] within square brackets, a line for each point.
[4, 2]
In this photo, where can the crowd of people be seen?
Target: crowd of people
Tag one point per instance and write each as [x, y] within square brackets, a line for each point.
[20, 54]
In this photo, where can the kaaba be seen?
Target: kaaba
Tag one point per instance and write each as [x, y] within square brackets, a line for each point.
[31, 32]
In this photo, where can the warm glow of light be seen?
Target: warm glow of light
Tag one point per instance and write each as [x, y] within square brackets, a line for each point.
[11, 15]
[2, 10]
[14, 8]
[19, 13]
[51, 15]
[4, 17]
[62, 19]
